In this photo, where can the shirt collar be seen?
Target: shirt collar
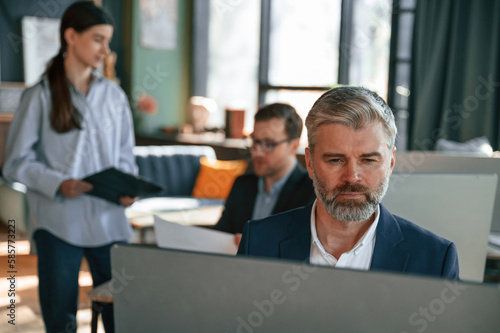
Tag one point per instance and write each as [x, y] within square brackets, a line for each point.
[278, 185]
[366, 240]
[96, 77]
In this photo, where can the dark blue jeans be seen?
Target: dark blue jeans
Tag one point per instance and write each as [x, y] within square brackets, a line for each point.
[58, 268]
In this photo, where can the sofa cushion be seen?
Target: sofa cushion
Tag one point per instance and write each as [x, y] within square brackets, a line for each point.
[216, 177]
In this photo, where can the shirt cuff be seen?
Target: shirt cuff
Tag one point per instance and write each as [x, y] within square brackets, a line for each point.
[50, 182]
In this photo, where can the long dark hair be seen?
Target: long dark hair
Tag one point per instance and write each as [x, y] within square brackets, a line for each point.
[79, 16]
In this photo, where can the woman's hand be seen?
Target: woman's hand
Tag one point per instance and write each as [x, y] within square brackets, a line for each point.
[72, 188]
[126, 201]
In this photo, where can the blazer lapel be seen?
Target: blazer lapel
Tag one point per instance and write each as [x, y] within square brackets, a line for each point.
[288, 189]
[250, 195]
[388, 254]
[298, 245]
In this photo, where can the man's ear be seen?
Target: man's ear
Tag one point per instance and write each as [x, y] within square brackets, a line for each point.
[393, 159]
[294, 145]
[308, 157]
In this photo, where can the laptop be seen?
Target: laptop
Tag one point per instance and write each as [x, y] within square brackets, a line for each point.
[163, 290]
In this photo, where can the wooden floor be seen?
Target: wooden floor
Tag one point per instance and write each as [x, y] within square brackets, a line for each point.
[27, 309]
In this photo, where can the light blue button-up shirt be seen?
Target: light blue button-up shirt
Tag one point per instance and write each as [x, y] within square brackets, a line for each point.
[265, 202]
[42, 159]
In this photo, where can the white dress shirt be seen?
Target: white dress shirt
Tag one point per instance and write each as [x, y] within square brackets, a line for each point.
[265, 202]
[359, 257]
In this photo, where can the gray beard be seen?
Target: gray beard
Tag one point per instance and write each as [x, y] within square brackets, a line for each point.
[350, 210]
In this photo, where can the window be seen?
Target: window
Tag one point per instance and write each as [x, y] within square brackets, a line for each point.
[400, 67]
[303, 43]
[233, 57]
[370, 45]
[265, 51]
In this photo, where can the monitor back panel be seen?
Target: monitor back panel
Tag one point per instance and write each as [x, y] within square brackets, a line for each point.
[457, 207]
[161, 290]
[432, 162]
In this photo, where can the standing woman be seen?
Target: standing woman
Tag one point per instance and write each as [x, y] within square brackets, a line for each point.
[72, 124]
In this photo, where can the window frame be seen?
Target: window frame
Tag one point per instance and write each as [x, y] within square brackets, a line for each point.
[201, 21]
[400, 9]
[346, 30]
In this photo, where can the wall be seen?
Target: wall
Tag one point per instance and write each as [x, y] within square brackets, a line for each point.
[11, 48]
[11, 13]
[164, 74]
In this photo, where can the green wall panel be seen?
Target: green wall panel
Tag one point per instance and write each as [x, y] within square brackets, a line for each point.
[164, 74]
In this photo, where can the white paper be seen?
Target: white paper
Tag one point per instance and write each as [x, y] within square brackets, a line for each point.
[181, 237]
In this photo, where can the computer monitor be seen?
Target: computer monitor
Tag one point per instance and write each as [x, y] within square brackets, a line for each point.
[457, 207]
[162, 290]
[435, 162]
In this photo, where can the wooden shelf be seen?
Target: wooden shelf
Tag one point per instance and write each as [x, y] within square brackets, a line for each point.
[225, 149]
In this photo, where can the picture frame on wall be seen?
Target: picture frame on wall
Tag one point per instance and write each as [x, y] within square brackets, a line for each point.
[40, 44]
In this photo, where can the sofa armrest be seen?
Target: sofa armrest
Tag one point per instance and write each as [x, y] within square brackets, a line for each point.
[13, 205]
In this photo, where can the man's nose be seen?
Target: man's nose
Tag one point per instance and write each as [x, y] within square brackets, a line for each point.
[351, 172]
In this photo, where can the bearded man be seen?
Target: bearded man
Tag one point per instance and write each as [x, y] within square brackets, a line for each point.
[351, 155]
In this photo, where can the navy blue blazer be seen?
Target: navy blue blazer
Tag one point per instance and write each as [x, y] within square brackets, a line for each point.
[400, 245]
[298, 191]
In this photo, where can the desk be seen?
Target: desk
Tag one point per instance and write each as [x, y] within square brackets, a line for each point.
[198, 216]
[186, 211]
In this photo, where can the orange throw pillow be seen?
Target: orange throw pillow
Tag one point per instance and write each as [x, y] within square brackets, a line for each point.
[216, 178]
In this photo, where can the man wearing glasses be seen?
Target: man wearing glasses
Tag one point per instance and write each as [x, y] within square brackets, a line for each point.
[278, 182]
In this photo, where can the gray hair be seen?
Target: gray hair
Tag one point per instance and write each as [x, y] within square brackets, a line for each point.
[354, 107]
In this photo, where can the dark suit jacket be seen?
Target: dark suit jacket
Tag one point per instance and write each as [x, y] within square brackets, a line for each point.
[298, 191]
[400, 245]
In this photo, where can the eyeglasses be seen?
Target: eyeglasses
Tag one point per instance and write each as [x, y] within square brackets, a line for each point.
[266, 146]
